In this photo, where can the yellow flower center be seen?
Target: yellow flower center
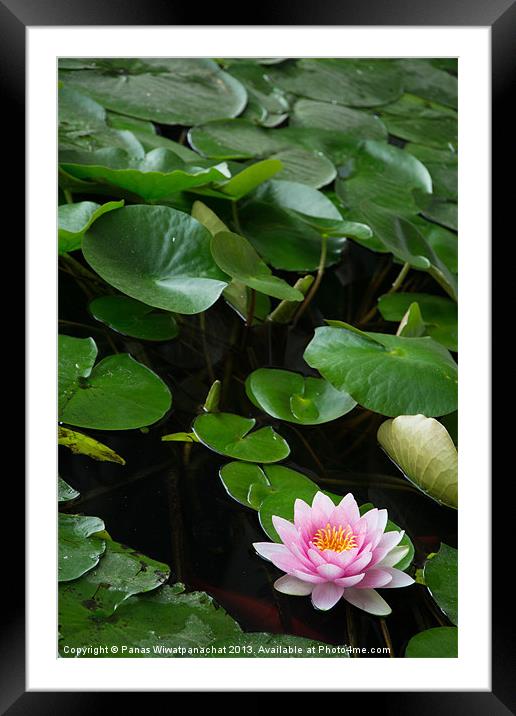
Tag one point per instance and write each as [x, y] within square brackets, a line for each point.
[335, 539]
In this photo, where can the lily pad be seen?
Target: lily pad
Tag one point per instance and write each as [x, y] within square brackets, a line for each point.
[249, 178]
[79, 548]
[417, 120]
[326, 115]
[441, 578]
[116, 394]
[437, 643]
[425, 453]
[120, 573]
[439, 314]
[237, 258]
[421, 78]
[350, 82]
[411, 375]
[153, 176]
[267, 105]
[81, 444]
[250, 484]
[164, 623]
[384, 174]
[412, 324]
[133, 318]
[75, 219]
[296, 399]
[231, 435]
[284, 239]
[156, 255]
[183, 91]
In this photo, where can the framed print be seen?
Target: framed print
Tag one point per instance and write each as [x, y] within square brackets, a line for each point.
[265, 452]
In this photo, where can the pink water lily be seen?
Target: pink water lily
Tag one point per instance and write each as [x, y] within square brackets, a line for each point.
[331, 552]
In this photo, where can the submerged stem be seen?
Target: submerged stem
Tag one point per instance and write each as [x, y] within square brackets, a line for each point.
[318, 278]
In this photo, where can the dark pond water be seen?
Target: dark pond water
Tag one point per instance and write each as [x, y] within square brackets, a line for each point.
[169, 503]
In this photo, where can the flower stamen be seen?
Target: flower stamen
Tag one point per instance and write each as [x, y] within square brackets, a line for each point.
[338, 540]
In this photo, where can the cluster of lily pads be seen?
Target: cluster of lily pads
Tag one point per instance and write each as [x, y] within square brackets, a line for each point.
[186, 183]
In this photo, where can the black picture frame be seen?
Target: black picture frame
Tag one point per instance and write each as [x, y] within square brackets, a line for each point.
[500, 16]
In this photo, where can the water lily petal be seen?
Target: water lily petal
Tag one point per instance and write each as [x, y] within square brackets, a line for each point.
[349, 504]
[371, 518]
[376, 578]
[394, 556]
[349, 581]
[325, 596]
[322, 509]
[278, 554]
[286, 530]
[358, 564]
[317, 557]
[303, 518]
[308, 577]
[330, 571]
[292, 585]
[399, 578]
[367, 599]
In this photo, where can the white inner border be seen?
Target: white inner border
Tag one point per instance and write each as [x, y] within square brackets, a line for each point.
[471, 671]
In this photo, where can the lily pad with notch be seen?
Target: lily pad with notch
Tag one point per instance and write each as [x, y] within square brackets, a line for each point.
[292, 397]
[233, 436]
[157, 255]
[411, 375]
[79, 546]
[118, 393]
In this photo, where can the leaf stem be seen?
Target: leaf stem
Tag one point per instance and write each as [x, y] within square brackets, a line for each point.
[395, 286]
[236, 220]
[318, 278]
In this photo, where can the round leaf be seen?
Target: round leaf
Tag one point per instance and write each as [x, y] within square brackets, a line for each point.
[166, 90]
[439, 314]
[117, 394]
[157, 255]
[441, 578]
[388, 374]
[437, 643]
[325, 115]
[296, 399]
[424, 451]
[133, 318]
[75, 219]
[251, 484]
[230, 435]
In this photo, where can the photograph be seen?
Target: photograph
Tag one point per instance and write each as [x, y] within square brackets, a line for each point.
[257, 418]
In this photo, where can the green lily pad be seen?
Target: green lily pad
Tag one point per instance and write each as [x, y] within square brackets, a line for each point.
[350, 82]
[133, 318]
[439, 314]
[421, 78]
[284, 240]
[163, 623]
[442, 165]
[152, 176]
[404, 238]
[267, 105]
[241, 139]
[156, 255]
[75, 219]
[120, 573]
[116, 394]
[261, 645]
[231, 435]
[81, 444]
[425, 453]
[437, 643]
[250, 484]
[296, 399]
[384, 174]
[65, 493]
[411, 375]
[183, 91]
[249, 178]
[417, 120]
[79, 548]
[326, 115]
[441, 578]
[237, 258]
